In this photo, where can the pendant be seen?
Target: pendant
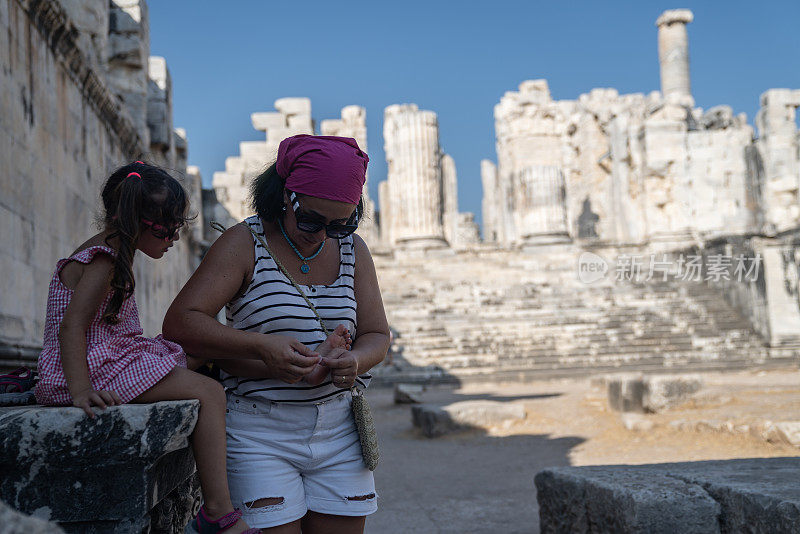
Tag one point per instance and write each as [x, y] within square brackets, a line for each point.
[305, 268]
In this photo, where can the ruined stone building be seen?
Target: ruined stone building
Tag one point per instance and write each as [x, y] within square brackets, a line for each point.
[632, 169]
[650, 178]
[80, 96]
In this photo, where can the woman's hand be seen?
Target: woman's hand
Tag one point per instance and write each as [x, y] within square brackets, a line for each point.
[286, 358]
[344, 367]
[87, 398]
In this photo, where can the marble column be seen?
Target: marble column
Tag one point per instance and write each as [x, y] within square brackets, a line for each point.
[673, 55]
[411, 138]
[489, 201]
[540, 205]
[450, 190]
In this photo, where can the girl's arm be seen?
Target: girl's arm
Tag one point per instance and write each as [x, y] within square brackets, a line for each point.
[191, 320]
[372, 331]
[88, 296]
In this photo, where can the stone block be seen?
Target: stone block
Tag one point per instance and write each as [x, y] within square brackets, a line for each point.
[299, 122]
[266, 120]
[294, 106]
[747, 495]
[408, 393]
[614, 499]
[436, 421]
[650, 394]
[128, 470]
[15, 522]
[126, 49]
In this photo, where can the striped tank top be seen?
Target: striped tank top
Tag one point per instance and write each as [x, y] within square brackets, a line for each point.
[272, 305]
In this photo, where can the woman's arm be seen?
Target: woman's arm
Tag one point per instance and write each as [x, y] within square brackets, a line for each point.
[88, 296]
[191, 320]
[372, 331]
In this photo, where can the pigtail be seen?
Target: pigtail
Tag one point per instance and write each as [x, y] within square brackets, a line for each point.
[129, 198]
[125, 223]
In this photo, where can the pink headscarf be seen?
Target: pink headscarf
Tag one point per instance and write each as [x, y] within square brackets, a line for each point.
[323, 166]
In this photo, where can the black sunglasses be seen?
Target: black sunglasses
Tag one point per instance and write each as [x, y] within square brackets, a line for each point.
[306, 223]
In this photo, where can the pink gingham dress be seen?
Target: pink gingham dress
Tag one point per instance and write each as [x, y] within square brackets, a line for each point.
[120, 359]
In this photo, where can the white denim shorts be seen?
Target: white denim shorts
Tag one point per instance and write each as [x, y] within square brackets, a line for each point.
[307, 454]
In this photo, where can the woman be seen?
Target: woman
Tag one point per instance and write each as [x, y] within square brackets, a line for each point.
[294, 459]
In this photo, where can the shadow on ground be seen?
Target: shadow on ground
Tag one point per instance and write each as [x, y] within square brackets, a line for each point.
[468, 482]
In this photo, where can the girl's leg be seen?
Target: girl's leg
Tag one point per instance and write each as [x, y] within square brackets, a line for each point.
[208, 438]
[317, 523]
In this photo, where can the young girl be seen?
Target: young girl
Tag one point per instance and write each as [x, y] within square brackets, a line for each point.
[94, 353]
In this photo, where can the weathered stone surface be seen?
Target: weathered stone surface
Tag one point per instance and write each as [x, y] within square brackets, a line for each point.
[408, 393]
[435, 421]
[621, 501]
[651, 393]
[14, 522]
[750, 495]
[117, 467]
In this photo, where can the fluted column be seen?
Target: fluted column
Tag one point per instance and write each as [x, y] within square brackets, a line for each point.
[412, 151]
[450, 191]
[673, 54]
[489, 203]
[540, 202]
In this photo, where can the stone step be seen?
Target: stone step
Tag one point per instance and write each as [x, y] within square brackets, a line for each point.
[434, 374]
[452, 359]
[435, 332]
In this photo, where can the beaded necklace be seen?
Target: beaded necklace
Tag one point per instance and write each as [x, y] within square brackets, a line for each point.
[303, 268]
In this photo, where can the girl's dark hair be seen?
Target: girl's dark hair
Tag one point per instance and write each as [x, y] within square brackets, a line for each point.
[266, 195]
[127, 200]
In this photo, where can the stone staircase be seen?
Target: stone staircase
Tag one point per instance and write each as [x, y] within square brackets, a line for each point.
[517, 316]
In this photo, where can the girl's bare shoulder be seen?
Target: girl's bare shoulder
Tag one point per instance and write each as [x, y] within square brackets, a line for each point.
[73, 271]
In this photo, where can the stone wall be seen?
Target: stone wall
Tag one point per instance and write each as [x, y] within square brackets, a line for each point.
[75, 106]
[632, 169]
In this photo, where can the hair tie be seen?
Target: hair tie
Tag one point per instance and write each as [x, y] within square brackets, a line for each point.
[134, 174]
[137, 161]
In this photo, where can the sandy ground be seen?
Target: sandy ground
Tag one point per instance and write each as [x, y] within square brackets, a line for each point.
[482, 480]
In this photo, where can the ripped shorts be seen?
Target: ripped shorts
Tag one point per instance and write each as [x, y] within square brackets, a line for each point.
[306, 454]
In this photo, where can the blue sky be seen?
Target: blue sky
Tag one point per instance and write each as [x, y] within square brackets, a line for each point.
[454, 58]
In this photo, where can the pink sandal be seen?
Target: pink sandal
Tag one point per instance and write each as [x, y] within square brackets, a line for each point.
[18, 381]
[203, 525]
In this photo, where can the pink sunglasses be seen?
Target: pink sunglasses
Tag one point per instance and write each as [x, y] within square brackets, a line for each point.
[162, 232]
